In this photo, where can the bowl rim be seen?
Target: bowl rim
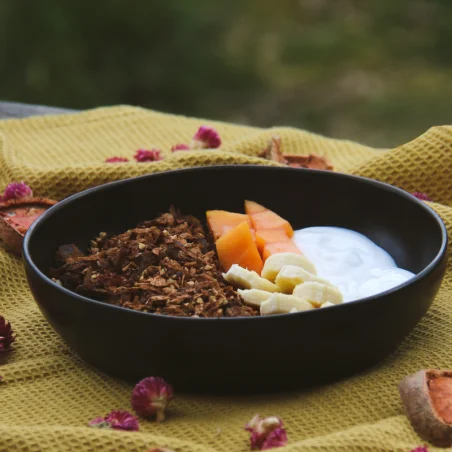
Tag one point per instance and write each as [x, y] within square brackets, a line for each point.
[347, 305]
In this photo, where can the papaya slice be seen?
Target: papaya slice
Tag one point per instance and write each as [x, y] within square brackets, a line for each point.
[222, 221]
[263, 218]
[266, 236]
[252, 208]
[237, 247]
[286, 246]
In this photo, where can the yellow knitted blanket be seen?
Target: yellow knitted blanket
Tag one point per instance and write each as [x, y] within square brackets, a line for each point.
[49, 395]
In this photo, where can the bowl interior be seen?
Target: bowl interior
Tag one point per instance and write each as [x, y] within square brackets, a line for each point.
[406, 228]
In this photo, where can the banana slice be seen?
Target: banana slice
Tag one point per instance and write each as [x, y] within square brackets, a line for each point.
[328, 304]
[280, 303]
[318, 293]
[275, 262]
[246, 279]
[254, 297]
[290, 276]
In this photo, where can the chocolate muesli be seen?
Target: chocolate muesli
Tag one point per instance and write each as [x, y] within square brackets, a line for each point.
[165, 266]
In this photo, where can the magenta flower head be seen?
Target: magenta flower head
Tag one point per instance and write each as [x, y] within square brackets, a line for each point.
[180, 147]
[421, 196]
[17, 190]
[116, 159]
[206, 138]
[266, 433]
[142, 155]
[151, 397]
[6, 335]
[116, 420]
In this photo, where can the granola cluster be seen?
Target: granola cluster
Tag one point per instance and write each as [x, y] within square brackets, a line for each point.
[165, 266]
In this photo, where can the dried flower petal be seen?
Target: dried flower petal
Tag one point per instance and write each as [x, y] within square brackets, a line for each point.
[420, 449]
[16, 190]
[151, 396]
[180, 147]
[117, 420]
[6, 335]
[421, 196]
[206, 138]
[143, 155]
[116, 159]
[266, 433]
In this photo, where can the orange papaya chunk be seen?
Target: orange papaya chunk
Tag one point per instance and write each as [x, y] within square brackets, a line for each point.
[222, 221]
[262, 218]
[279, 247]
[252, 207]
[266, 236]
[237, 247]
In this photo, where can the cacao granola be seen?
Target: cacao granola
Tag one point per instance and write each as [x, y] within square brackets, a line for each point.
[164, 266]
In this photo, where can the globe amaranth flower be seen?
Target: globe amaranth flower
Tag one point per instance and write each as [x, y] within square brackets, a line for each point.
[6, 335]
[421, 196]
[151, 397]
[116, 159]
[143, 155]
[266, 433]
[16, 190]
[116, 420]
[206, 138]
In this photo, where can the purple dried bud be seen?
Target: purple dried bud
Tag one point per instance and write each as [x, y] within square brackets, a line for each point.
[266, 433]
[142, 155]
[6, 335]
[151, 396]
[117, 420]
[116, 159]
[17, 190]
[180, 147]
[206, 138]
[421, 196]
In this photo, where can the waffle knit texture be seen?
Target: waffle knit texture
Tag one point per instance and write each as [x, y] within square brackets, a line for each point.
[49, 395]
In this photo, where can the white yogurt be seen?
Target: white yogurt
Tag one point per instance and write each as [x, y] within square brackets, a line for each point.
[350, 261]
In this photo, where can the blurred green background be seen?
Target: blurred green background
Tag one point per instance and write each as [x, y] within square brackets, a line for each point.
[378, 71]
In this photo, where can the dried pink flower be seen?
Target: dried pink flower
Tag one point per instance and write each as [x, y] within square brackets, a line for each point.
[117, 420]
[6, 335]
[180, 147]
[16, 190]
[143, 155]
[421, 196]
[152, 396]
[266, 433]
[116, 159]
[420, 449]
[206, 138]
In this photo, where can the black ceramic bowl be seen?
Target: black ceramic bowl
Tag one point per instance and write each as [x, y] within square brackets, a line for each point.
[242, 354]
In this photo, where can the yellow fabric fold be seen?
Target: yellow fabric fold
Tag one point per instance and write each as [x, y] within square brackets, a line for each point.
[49, 395]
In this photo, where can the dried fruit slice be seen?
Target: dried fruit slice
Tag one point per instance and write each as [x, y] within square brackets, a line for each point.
[427, 397]
[237, 247]
[16, 216]
[221, 221]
